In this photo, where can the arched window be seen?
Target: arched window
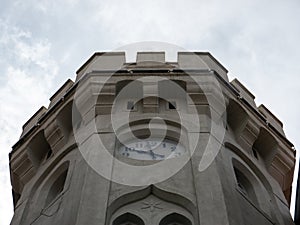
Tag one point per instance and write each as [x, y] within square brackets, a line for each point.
[245, 186]
[175, 219]
[57, 187]
[128, 219]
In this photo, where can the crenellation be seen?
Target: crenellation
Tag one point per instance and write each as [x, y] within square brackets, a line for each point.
[190, 60]
[112, 61]
[244, 92]
[150, 58]
[213, 64]
[60, 92]
[33, 120]
[271, 118]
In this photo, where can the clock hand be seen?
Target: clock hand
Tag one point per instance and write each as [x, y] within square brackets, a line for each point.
[154, 155]
[139, 151]
[134, 150]
[162, 156]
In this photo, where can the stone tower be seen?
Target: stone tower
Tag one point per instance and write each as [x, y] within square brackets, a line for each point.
[152, 143]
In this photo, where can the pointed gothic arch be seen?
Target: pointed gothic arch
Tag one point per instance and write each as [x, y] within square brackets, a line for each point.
[156, 201]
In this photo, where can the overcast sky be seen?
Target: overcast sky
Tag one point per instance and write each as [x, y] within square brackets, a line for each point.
[43, 43]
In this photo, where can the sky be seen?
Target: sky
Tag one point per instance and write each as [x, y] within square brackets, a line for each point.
[44, 42]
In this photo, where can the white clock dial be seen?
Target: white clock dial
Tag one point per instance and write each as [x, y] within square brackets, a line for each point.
[153, 149]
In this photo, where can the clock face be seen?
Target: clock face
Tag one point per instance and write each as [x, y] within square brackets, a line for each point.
[153, 149]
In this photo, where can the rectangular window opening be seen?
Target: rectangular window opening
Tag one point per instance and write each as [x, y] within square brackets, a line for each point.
[130, 105]
[172, 105]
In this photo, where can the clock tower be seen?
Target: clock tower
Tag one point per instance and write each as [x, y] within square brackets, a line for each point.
[152, 142]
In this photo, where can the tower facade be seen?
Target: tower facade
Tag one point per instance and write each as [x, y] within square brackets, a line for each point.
[152, 142]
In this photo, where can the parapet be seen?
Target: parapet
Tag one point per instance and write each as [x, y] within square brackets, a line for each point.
[186, 61]
[150, 57]
[244, 92]
[33, 121]
[60, 92]
[271, 118]
[102, 61]
[201, 60]
[114, 61]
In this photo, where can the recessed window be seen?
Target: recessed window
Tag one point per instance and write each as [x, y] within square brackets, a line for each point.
[172, 105]
[242, 188]
[245, 186]
[255, 154]
[130, 105]
[49, 154]
[56, 188]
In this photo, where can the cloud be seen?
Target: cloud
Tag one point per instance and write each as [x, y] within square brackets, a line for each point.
[28, 74]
